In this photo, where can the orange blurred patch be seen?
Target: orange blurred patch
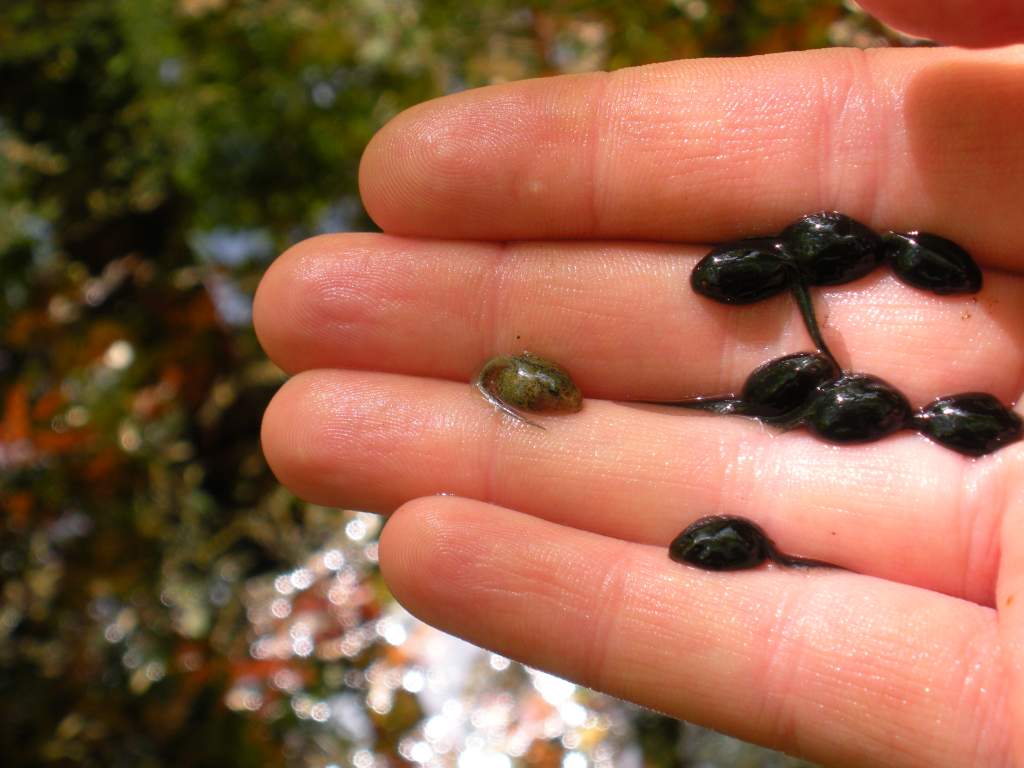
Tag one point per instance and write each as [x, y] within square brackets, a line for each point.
[19, 509]
[16, 424]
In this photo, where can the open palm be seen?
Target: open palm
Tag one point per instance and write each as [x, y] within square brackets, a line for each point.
[563, 216]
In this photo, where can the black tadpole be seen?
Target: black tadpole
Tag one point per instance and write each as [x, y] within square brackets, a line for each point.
[855, 408]
[748, 271]
[829, 248]
[932, 263]
[971, 423]
[808, 390]
[727, 543]
[776, 392]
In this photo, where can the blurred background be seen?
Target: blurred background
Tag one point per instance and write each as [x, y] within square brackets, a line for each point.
[164, 601]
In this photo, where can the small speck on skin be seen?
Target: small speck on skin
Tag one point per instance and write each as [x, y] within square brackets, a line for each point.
[1009, 601]
[535, 187]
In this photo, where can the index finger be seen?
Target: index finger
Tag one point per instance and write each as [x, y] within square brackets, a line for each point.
[708, 150]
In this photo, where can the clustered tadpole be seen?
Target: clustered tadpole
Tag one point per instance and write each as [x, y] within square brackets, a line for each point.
[805, 389]
[811, 389]
[829, 248]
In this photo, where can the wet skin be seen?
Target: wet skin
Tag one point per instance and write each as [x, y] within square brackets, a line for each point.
[726, 543]
[526, 382]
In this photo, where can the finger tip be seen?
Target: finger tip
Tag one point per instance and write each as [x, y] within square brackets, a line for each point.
[404, 166]
[372, 166]
[277, 439]
[279, 301]
[449, 167]
[326, 288]
[299, 445]
[421, 547]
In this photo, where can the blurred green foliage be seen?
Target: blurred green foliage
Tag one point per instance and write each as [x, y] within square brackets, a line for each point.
[154, 156]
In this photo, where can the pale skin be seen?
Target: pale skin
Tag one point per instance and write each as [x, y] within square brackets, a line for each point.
[564, 215]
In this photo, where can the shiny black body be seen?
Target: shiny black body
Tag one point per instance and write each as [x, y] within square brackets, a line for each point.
[856, 408]
[932, 263]
[748, 271]
[775, 390]
[721, 544]
[726, 543]
[972, 423]
[810, 390]
[830, 248]
[785, 384]
[742, 272]
[807, 389]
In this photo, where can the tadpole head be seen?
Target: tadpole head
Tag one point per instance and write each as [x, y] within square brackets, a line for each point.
[971, 423]
[830, 248]
[857, 408]
[742, 272]
[932, 263]
[787, 383]
[721, 543]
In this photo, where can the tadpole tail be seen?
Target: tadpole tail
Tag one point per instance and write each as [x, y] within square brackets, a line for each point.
[734, 406]
[792, 561]
[723, 406]
[803, 301]
[795, 561]
[720, 405]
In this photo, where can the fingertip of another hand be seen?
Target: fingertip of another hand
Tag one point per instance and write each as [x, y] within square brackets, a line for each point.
[955, 22]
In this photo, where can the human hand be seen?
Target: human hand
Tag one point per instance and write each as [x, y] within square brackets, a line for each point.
[554, 549]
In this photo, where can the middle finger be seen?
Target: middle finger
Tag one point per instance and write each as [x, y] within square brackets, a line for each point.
[621, 317]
